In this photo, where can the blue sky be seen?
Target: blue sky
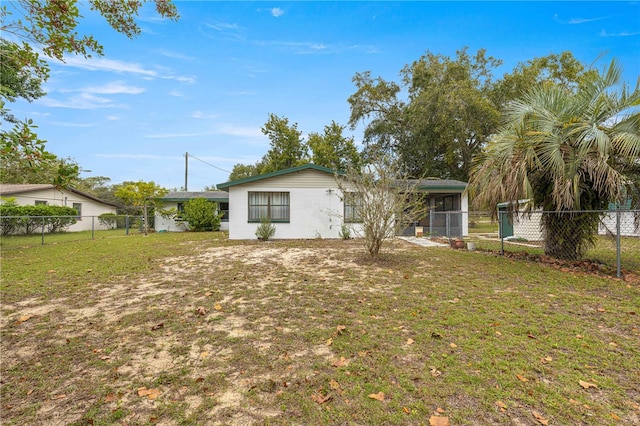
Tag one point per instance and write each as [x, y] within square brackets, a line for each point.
[206, 84]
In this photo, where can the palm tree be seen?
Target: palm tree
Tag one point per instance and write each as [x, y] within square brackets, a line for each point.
[564, 151]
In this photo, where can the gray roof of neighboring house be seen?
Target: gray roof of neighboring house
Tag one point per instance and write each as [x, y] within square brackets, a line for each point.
[22, 188]
[189, 195]
[439, 184]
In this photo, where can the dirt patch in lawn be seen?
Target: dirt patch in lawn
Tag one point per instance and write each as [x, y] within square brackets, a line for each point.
[205, 321]
[312, 332]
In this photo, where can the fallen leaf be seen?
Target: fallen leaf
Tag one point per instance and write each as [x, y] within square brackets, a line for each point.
[435, 372]
[334, 385]
[152, 393]
[587, 385]
[201, 310]
[157, 326]
[546, 360]
[110, 397]
[439, 410]
[329, 341]
[217, 307]
[498, 333]
[615, 416]
[362, 353]
[410, 341]
[208, 293]
[30, 391]
[502, 406]
[439, 421]
[406, 410]
[453, 345]
[24, 318]
[319, 398]
[614, 344]
[204, 354]
[539, 418]
[522, 378]
[531, 336]
[340, 362]
[59, 396]
[341, 328]
[51, 271]
[602, 310]
[377, 396]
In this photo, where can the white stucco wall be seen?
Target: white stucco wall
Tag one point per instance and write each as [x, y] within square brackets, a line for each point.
[55, 197]
[314, 213]
[316, 207]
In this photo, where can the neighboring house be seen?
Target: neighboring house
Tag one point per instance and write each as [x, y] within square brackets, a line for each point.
[529, 226]
[88, 206]
[305, 202]
[176, 200]
[448, 208]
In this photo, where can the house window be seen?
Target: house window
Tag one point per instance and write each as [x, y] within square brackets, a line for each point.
[447, 203]
[41, 203]
[352, 206]
[270, 205]
[78, 207]
[224, 209]
[180, 209]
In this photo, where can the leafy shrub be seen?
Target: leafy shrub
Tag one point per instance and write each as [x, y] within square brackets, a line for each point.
[27, 219]
[109, 220]
[265, 230]
[345, 232]
[201, 214]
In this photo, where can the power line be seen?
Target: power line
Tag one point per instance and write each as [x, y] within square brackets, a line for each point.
[208, 164]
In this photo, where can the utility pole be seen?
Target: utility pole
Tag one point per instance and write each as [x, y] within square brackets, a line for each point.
[186, 170]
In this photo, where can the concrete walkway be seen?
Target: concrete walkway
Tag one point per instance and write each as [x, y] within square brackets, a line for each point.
[424, 242]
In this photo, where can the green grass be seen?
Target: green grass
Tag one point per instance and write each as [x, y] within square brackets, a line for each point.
[303, 332]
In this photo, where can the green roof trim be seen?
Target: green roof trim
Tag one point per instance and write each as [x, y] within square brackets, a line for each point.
[442, 187]
[308, 166]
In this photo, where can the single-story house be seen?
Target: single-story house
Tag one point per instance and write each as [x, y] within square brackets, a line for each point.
[305, 202]
[176, 199]
[88, 206]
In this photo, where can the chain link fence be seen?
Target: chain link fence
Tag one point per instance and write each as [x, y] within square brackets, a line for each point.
[17, 231]
[607, 239]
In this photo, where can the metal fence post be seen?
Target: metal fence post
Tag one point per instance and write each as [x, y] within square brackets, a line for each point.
[92, 227]
[618, 251]
[42, 230]
[447, 225]
[126, 224]
[501, 230]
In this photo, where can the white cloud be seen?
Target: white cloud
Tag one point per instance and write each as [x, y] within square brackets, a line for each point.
[603, 33]
[121, 67]
[68, 124]
[577, 21]
[113, 88]
[232, 130]
[201, 115]
[110, 65]
[113, 118]
[277, 12]
[176, 93]
[82, 101]
[175, 55]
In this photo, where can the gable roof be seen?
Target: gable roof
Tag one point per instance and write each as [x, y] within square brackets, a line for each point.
[189, 195]
[308, 166]
[23, 188]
